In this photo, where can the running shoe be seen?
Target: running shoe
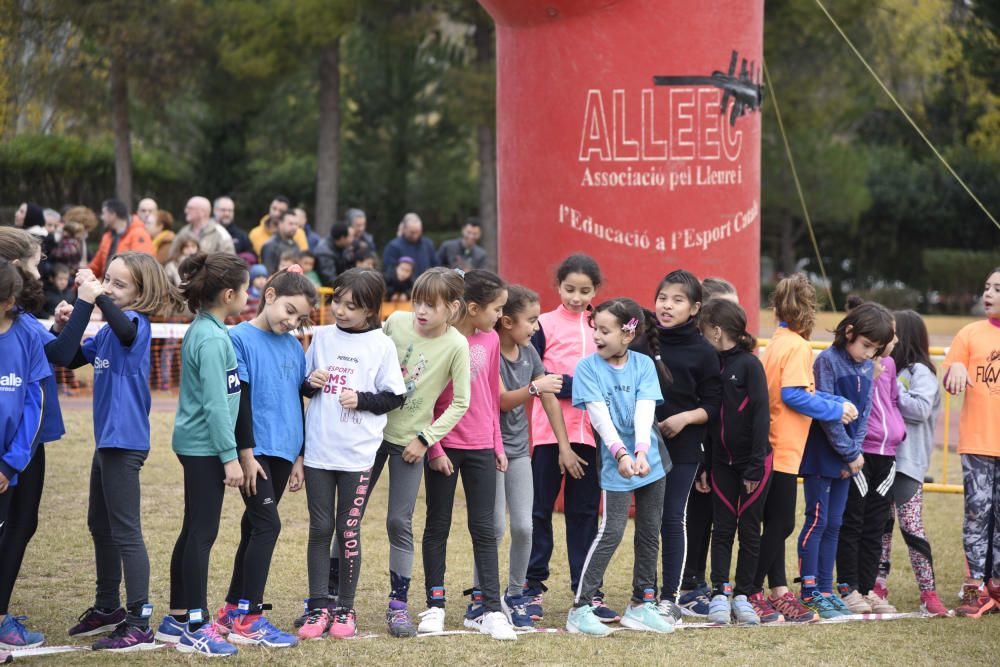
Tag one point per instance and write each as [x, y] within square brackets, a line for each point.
[880, 605]
[475, 610]
[224, 618]
[764, 610]
[646, 617]
[880, 588]
[534, 594]
[205, 640]
[514, 608]
[993, 590]
[838, 604]
[316, 624]
[127, 638]
[432, 620]
[670, 611]
[398, 620]
[14, 636]
[170, 630]
[582, 620]
[931, 605]
[95, 622]
[719, 610]
[345, 624]
[792, 609]
[743, 611]
[603, 612]
[976, 601]
[496, 625]
[820, 605]
[256, 630]
[853, 600]
[695, 603]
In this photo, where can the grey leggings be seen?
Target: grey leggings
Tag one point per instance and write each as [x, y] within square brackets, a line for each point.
[515, 493]
[114, 519]
[348, 492]
[404, 484]
[648, 516]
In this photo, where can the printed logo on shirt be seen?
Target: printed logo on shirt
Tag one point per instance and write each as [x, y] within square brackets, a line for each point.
[478, 360]
[989, 373]
[232, 381]
[101, 364]
[10, 382]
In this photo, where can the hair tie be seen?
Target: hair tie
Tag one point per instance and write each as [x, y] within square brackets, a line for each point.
[294, 268]
[657, 357]
[459, 272]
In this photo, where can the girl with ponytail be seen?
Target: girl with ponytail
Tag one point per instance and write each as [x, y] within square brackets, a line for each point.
[740, 464]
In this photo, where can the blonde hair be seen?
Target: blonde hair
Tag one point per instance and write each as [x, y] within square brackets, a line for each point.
[156, 293]
[440, 284]
[794, 303]
[17, 244]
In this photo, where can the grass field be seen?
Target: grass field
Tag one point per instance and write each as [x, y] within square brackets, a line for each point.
[57, 584]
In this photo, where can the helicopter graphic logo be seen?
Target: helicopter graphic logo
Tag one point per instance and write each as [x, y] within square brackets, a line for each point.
[746, 90]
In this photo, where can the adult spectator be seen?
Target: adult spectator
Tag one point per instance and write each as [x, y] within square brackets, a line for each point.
[224, 212]
[410, 243]
[146, 209]
[358, 221]
[335, 254]
[463, 253]
[263, 232]
[121, 233]
[29, 215]
[53, 233]
[211, 236]
[161, 228]
[270, 254]
[312, 238]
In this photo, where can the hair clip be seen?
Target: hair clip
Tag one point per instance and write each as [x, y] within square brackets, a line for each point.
[459, 272]
[630, 327]
[294, 268]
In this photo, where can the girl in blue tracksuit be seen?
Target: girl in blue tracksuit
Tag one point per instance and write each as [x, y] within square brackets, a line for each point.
[833, 451]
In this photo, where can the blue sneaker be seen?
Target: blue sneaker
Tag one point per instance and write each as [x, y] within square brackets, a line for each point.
[603, 612]
[170, 631]
[820, 605]
[14, 636]
[475, 611]
[581, 620]
[533, 594]
[695, 603]
[646, 617]
[256, 630]
[743, 611]
[515, 608]
[839, 605]
[719, 610]
[205, 640]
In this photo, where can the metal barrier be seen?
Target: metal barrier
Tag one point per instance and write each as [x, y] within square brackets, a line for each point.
[937, 353]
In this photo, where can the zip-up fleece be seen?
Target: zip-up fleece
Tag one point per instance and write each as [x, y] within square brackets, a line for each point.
[919, 403]
[885, 425]
[563, 339]
[739, 434]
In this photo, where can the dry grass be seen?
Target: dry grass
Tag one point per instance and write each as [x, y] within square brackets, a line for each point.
[57, 584]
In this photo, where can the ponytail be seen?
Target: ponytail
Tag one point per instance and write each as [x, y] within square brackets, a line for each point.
[205, 277]
[732, 319]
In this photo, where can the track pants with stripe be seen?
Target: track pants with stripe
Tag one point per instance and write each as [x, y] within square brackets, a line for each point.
[736, 510]
[865, 517]
[817, 545]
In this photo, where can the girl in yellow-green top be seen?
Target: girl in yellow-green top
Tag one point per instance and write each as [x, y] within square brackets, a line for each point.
[204, 440]
[432, 353]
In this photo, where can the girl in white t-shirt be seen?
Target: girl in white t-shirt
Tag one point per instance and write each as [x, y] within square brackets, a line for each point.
[355, 371]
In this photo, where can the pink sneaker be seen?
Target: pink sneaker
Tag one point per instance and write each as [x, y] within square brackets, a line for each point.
[880, 589]
[224, 620]
[344, 624]
[316, 625]
[931, 605]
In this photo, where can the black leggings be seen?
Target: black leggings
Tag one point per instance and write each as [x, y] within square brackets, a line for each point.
[478, 470]
[21, 523]
[779, 523]
[699, 535]
[259, 531]
[736, 510]
[204, 491]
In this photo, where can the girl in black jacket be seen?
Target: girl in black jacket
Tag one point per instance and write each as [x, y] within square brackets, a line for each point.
[740, 463]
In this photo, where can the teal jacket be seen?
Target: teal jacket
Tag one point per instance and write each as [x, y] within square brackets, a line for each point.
[210, 392]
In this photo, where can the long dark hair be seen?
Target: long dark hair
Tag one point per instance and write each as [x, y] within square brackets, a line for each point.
[205, 277]
[731, 318]
[624, 310]
[913, 346]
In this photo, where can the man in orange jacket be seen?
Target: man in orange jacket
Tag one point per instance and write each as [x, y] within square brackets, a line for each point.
[120, 234]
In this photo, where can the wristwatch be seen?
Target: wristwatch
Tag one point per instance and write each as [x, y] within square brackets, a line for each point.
[423, 439]
[533, 390]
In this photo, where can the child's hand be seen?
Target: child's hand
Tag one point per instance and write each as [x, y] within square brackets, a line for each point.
[348, 399]
[626, 467]
[89, 290]
[251, 468]
[414, 451]
[701, 483]
[751, 485]
[856, 465]
[550, 384]
[956, 379]
[297, 478]
[571, 464]
[61, 315]
[234, 473]
[317, 379]
[641, 466]
[83, 275]
[4, 483]
[501, 462]
[673, 425]
[850, 413]
[441, 464]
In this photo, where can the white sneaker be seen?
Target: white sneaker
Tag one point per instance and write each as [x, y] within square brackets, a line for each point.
[431, 620]
[496, 625]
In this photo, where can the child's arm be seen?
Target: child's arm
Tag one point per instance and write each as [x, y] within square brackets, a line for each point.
[66, 350]
[221, 432]
[538, 342]
[600, 419]
[544, 384]
[836, 434]
[569, 462]
[379, 403]
[245, 443]
[916, 401]
[760, 414]
[956, 376]
[125, 329]
[440, 427]
[391, 391]
[22, 446]
[494, 380]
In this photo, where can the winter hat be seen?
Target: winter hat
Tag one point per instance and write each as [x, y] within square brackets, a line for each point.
[257, 271]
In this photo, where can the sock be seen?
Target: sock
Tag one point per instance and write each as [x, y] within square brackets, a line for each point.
[180, 618]
[138, 615]
[400, 586]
